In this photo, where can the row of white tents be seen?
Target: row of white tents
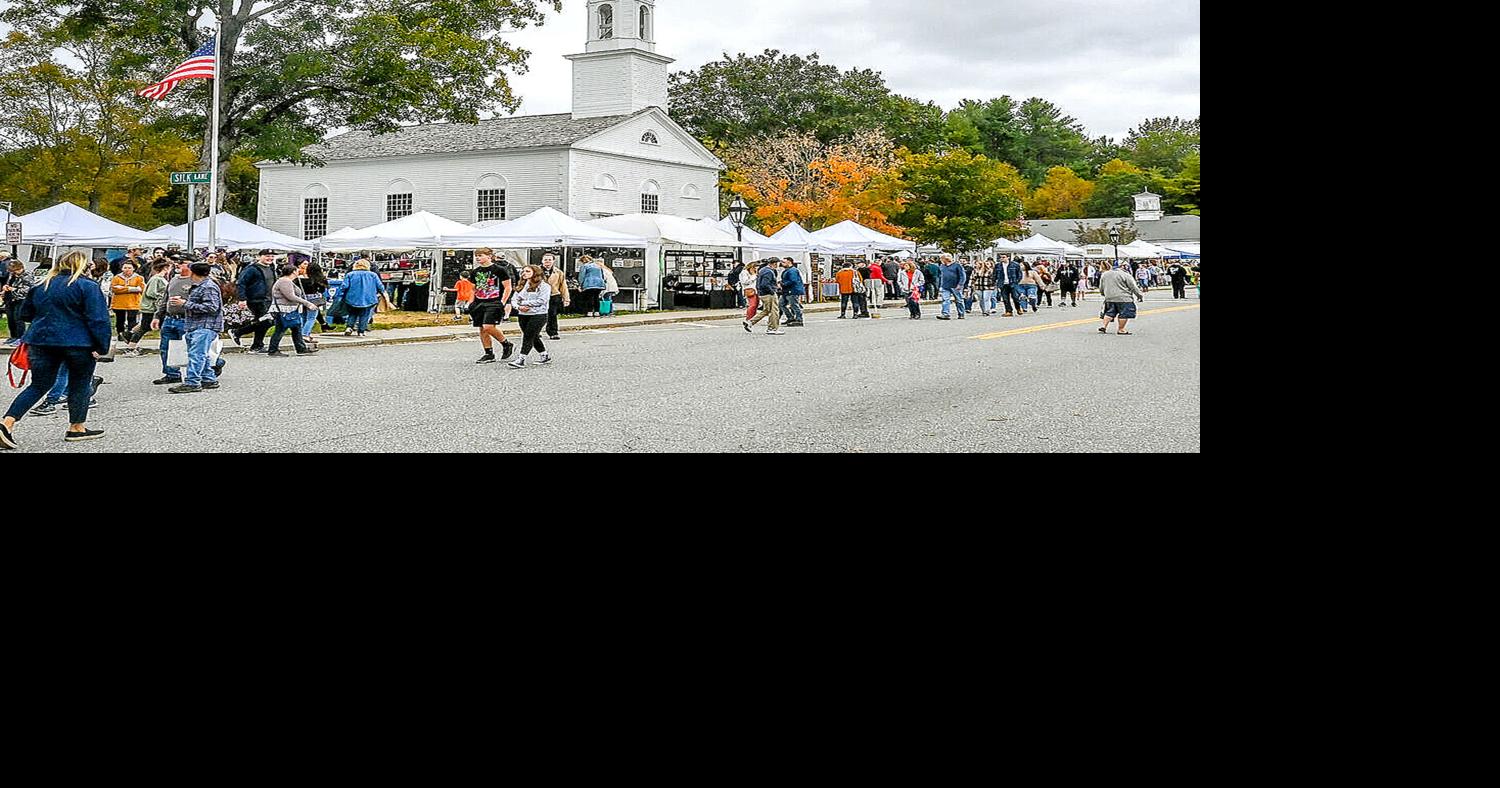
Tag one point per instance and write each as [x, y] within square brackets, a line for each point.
[67, 226]
[1042, 246]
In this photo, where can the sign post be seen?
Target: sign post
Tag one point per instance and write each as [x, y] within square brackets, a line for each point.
[12, 229]
[192, 180]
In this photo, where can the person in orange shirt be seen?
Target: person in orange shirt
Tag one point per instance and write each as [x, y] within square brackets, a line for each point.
[465, 291]
[126, 289]
[851, 289]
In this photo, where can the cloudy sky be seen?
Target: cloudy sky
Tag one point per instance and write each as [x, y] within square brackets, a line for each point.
[1109, 63]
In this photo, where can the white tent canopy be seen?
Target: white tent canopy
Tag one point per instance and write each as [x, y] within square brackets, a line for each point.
[852, 237]
[236, 234]
[756, 240]
[662, 229]
[1185, 249]
[65, 224]
[545, 227]
[794, 235]
[1040, 245]
[1143, 250]
[421, 230]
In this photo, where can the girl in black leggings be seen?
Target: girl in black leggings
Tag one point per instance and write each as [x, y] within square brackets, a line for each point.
[531, 302]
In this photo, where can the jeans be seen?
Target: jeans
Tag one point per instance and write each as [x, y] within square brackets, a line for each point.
[531, 334]
[1026, 297]
[769, 309]
[359, 318]
[553, 307]
[14, 321]
[310, 321]
[293, 324]
[171, 329]
[914, 303]
[46, 364]
[986, 301]
[198, 370]
[791, 307]
[956, 296]
[1010, 298]
[845, 300]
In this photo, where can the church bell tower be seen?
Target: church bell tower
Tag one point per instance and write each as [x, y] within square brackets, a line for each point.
[619, 72]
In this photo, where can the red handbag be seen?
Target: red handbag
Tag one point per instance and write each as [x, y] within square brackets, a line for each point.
[20, 358]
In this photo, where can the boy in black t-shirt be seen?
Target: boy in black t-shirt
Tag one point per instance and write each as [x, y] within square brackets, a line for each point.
[493, 284]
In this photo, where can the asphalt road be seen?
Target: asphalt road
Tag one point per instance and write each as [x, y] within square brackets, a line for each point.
[1030, 384]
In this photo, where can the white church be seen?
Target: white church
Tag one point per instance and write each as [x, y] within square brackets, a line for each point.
[617, 152]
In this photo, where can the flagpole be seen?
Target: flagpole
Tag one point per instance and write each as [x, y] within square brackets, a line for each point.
[213, 168]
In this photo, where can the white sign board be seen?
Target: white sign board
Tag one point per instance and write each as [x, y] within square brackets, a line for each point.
[13, 233]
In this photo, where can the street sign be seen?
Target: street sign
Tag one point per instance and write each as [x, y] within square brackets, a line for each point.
[187, 178]
[13, 233]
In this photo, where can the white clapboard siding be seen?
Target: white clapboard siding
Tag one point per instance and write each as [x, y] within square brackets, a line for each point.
[629, 174]
[444, 184]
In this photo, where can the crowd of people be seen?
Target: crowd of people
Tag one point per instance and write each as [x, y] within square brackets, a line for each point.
[1015, 285]
[79, 312]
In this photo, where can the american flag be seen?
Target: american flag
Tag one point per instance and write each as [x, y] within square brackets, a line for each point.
[199, 65]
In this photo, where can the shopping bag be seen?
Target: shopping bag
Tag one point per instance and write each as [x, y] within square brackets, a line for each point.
[607, 307]
[177, 353]
[214, 351]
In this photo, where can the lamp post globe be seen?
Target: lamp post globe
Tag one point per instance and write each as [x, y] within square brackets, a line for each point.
[1114, 238]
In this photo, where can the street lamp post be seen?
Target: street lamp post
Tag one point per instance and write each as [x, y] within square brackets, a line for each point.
[739, 211]
[1114, 237]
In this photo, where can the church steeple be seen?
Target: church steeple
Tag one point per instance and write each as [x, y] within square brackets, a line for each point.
[619, 72]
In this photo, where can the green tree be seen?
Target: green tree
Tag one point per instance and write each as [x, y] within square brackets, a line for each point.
[1034, 136]
[1118, 183]
[295, 68]
[957, 200]
[1063, 195]
[1183, 190]
[71, 133]
[748, 97]
[1163, 144]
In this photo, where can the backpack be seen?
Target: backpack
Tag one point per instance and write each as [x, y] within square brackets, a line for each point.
[20, 358]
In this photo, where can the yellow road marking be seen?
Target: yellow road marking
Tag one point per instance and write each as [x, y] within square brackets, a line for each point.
[1073, 323]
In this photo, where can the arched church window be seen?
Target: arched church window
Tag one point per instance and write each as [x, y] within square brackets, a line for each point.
[645, 23]
[606, 22]
[649, 138]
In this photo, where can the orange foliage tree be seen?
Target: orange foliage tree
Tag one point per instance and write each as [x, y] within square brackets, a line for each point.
[795, 178]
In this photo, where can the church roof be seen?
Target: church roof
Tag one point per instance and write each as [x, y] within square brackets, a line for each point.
[1167, 228]
[525, 131]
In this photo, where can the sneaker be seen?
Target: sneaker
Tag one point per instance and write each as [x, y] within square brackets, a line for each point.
[554, 339]
[219, 369]
[277, 354]
[79, 437]
[487, 358]
[348, 332]
[546, 358]
[360, 335]
[777, 333]
[186, 389]
[308, 352]
[944, 317]
[210, 386]
[167, 380]
[44, 409]
[748, 329]
[519, 363]
[6, 439]
[259, 351]
[510, 350]
[235, 338]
